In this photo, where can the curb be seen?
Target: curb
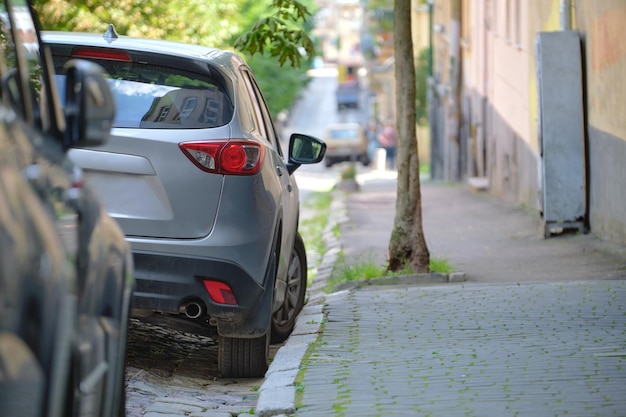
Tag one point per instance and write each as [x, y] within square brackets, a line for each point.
[413, 279]
[278, 393]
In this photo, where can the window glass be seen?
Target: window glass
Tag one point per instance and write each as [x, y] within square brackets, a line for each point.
[270, 134]
[255, 108]
[343, 134]
[155, 97]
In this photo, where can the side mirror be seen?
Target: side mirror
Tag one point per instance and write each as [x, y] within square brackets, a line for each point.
[304, 149]
[89, 104]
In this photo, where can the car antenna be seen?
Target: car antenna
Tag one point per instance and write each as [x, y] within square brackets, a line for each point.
[110, 35]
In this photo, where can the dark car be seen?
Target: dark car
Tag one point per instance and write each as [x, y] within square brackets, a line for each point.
[196, 177]
[65, 268]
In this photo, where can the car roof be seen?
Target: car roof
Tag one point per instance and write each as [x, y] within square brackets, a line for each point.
[216, 56]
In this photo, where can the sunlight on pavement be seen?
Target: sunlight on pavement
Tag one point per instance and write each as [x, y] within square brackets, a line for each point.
[313, 182]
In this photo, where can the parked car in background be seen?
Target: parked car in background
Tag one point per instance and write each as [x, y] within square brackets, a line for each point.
[195, 175]
[347, 95]
[65, 267]
[348, 86]
[346, 142]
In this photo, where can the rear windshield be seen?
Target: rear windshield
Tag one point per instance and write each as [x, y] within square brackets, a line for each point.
[156, 97]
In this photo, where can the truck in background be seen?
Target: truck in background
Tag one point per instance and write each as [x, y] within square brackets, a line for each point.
[348, 88]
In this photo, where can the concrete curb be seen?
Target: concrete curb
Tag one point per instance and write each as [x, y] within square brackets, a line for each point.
[413, 279]
[278, 393]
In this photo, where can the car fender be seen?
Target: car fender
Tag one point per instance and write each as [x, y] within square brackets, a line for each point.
[258, 322]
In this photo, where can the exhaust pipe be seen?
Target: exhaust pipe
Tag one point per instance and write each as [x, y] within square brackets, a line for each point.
[193, 310]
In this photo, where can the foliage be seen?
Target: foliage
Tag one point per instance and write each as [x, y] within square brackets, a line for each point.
[279, 34]
[349, 172]
[421, 88]
[253, 27]
[191, 21]
[280, 85]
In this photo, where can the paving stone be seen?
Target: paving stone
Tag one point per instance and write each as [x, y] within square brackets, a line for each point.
[483, 350]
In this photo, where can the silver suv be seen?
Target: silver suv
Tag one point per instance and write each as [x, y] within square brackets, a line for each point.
[196, 176]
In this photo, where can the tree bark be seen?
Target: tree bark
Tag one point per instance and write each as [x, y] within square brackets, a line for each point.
[407, 246]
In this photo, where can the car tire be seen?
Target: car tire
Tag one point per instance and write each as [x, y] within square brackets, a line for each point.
[284, 319]
[247, 357]
[243, 357]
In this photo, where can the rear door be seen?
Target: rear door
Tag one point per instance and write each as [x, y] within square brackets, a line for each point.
[144, 179]
[288, 188]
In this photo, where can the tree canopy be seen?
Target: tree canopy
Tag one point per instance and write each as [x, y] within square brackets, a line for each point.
[269, 33]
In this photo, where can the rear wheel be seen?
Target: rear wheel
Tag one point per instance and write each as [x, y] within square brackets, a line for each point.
[284, 319]
[247, 357]
[243, 357]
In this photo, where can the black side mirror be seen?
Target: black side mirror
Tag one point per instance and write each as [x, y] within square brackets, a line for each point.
[89, 104]
[304, 149]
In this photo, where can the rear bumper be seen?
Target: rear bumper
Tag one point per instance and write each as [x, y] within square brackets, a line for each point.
[168, 283]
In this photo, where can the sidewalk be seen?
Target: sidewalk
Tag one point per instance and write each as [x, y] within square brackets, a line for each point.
[537, 329]
[487, 239]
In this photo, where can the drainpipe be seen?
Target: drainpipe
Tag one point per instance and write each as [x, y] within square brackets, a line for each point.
[566, 14]
[430, 38]
[453, 155]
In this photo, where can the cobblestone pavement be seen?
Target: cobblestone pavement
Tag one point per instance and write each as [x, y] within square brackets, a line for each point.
[544, 349]
[170, 373]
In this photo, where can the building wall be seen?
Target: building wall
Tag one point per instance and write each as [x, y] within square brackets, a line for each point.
[496, 49]
[499, 122]
[512, 146]
[603, 28]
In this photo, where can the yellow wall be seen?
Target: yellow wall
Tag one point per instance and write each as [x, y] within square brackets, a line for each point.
[543, 16]
[603, 23]
[603, 27]
[509, 87]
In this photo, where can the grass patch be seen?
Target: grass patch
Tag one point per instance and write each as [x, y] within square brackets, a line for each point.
[354, 271]
[312, 229]
[440, 266]
[367, 269]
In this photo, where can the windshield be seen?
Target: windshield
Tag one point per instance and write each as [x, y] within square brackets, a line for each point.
[156, 97]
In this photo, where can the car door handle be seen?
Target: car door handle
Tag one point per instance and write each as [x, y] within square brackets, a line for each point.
[279, 171]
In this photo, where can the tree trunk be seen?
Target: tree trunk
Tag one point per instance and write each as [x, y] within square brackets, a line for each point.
[407, 246]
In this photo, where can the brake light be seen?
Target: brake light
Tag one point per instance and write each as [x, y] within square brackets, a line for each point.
[220, 292]
[96, 53]
[225, 157]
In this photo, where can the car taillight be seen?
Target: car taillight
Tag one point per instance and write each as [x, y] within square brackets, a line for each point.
[225, 157]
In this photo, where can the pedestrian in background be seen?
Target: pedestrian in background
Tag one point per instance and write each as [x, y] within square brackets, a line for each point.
[372, 139]
[388, 139]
